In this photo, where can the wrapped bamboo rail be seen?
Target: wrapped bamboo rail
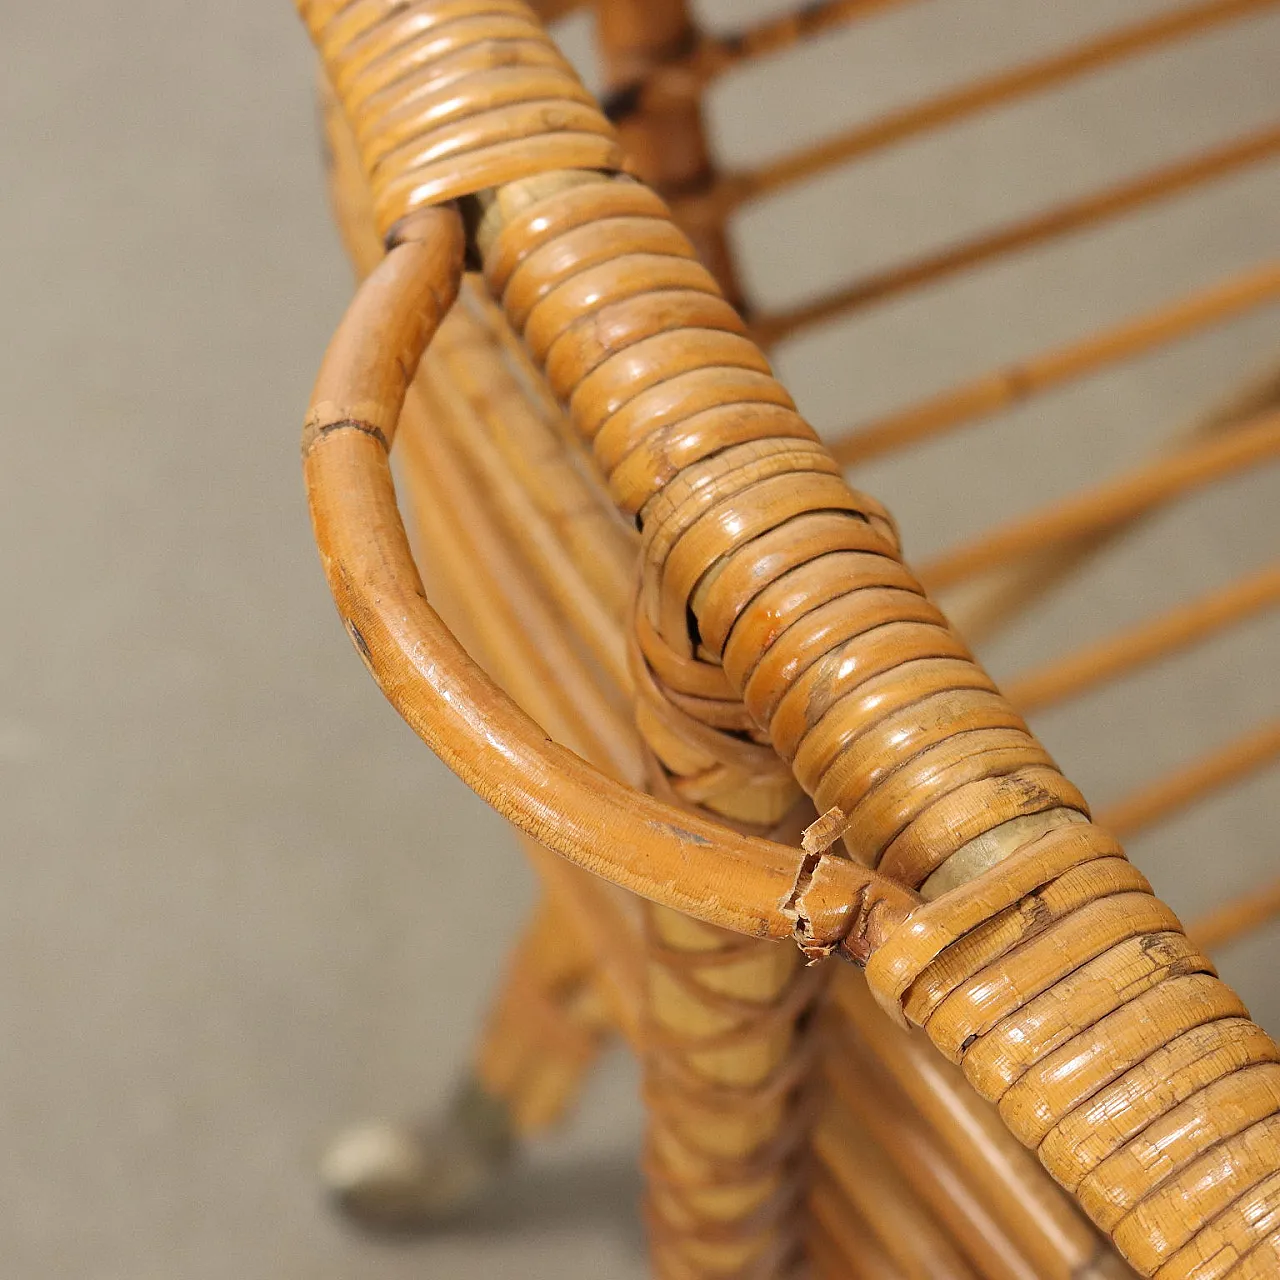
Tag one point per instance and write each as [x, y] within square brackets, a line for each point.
[778, 643]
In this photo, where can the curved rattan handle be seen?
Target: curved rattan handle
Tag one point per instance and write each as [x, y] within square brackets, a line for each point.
[654, 849]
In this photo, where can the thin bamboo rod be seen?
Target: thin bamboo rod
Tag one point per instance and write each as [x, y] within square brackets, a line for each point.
[1046, 1227]
[714, 55]
[470, 595]
[1155, 638]
[1160, 800]
[866, 1090]
[845, 1246]
[1003, 388]
[1234, 919]
[1017, 586]
[1112, 502]
[540, 452]
[551, 681]
[1038, 228]
[956, 104]
[515, 656]
[906, 1230]
[540, 548]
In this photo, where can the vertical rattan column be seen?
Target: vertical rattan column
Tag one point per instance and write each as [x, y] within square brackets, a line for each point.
[655, 99]
[725, 1046]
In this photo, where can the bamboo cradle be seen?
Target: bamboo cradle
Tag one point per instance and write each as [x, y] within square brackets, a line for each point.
[697, 666]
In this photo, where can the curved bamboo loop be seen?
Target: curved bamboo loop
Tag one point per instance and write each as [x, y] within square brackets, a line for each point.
[742, 883]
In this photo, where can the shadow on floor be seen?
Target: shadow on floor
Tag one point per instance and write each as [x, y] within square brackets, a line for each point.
[537, 1198]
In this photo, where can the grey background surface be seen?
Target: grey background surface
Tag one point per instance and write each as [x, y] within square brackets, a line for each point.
[235, 893]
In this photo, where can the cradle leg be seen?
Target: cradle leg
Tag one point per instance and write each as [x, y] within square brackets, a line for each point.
[545, 1030]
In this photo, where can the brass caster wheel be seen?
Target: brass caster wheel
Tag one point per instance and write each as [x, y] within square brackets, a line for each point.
[404, 1178]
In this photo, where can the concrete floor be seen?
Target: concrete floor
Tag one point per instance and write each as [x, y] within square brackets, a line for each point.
[228, 902]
